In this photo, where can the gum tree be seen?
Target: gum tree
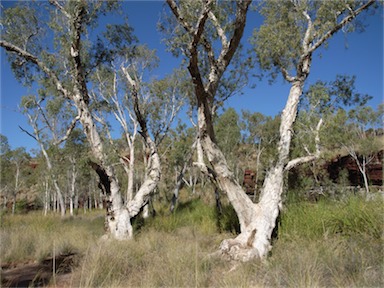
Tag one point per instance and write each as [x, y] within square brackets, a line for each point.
[285, 43]
[291, 33]
[50, 43]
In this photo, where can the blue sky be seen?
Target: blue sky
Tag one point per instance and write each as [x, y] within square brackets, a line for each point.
[363, 58]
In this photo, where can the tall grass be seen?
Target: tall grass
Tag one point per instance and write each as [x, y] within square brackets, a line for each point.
[33, 237]
[345, 218]
[326, 244]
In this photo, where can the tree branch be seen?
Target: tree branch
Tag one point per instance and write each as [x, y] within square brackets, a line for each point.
[227, 52]
[341, 24]
[69, 131]
[301, 160]
[61, 8]
[220, 31]
[28, 133]
[175, 10]
[32, 58]
[77, 24]
[136, 107]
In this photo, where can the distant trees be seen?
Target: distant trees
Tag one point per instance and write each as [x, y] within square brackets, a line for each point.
[357, 133]
[13, 172]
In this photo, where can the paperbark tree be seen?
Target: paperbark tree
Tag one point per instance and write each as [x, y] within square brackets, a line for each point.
[293, 30]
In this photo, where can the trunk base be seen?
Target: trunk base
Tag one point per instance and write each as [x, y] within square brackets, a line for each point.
[232, 249]
[119, 225]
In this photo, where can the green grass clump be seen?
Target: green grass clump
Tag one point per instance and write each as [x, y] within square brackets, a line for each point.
[317, 220]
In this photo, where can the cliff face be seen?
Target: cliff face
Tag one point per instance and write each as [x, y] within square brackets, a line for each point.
[374, 169]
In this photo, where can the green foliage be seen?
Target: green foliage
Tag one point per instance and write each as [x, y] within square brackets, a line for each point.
[278, 43]
[262, 131]
[4, 145]
[227, 130]
[353, 218]
[23, 29]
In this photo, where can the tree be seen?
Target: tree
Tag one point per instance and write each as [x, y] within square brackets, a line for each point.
[5, 168]
[285, 43]
[292, 31]
[64, 60]
[32, 108]
[206, 71]
[75, 163]
[13, 164]
[317, 114]
[180, 158]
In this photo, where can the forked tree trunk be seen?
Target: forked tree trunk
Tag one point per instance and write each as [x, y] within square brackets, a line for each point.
[117, 217]
[257, 221]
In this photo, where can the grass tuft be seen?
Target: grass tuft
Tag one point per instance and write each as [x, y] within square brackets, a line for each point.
[326, 244]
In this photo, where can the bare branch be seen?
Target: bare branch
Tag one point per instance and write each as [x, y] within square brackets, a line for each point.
[139, 115]
[175, 10]
[61, 8]
[286, 75]
[227, 52]
[76, 29]
[198, 31]
[28, 133]
[220, 31]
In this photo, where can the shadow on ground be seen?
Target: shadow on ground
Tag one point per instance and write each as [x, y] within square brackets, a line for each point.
[37, 274]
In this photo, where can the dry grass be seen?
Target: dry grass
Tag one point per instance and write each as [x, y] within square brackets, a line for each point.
[173, 250]
[32, 236]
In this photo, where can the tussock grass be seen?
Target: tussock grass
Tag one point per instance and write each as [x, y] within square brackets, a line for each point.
[153, 259]
[33, 237]
[326, 244]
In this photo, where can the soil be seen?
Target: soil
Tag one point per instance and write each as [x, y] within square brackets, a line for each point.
[51, 272]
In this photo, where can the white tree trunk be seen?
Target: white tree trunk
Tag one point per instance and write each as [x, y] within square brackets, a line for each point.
[131, 174]
[46, 197]
[117, 218]
[72, 186]
[150, 182]
[257, 221]
[362, 167]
